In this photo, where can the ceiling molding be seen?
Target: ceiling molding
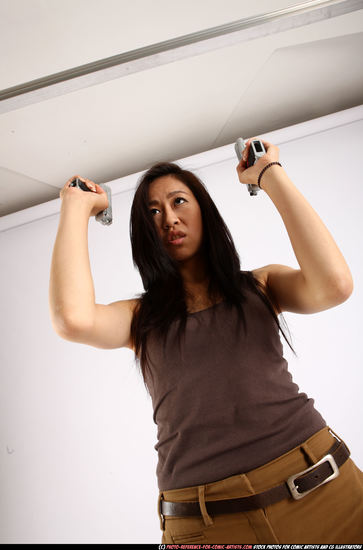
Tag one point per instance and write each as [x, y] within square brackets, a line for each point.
[169, 51]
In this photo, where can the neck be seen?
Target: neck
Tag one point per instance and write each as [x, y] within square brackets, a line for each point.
[194, 273]
[196, 279]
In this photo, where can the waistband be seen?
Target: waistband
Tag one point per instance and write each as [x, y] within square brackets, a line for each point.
[262, 478]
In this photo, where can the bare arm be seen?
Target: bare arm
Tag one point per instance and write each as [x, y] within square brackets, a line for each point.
[322, 264]
[71, 289]
[324, 278]
[75, 315]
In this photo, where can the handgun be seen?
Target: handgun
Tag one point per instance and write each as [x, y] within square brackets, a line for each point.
[256, 151]
[105, 216]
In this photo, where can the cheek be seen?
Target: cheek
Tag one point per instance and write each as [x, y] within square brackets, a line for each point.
[157, 224]
[158, 229]
[199, 226]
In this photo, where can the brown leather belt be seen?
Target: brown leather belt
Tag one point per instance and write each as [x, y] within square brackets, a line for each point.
[296, 486]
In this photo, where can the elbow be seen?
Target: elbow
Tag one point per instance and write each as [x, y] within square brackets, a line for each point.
[68, 328]
[343, 291]
[339, 285]
[58, 323]
[345, 287]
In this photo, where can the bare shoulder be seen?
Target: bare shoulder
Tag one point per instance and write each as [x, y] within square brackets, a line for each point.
[262, 274]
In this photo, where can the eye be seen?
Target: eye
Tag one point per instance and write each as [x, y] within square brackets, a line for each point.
[182, 198]
[177, 199]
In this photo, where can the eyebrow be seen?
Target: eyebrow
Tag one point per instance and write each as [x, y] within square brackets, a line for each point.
[167, 196]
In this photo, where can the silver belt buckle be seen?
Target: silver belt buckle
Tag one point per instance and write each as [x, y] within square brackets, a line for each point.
[294, 488]
[162, 523]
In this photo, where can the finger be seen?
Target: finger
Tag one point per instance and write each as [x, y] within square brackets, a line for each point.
[241, 166]
[92, 186]
[269, 145]
[266, 144]
[89, 183]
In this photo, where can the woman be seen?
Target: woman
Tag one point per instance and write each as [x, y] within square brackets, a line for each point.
[244, 457]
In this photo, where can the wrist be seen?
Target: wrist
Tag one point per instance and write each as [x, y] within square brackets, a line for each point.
[76, 204]
[269, 174]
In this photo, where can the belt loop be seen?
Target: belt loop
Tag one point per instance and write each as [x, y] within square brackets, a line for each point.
[338, 438]
[308, 453]
[206, 517]
[334, 434]
[161, 517]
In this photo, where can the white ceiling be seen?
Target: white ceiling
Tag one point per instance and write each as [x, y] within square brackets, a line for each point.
[109, 130]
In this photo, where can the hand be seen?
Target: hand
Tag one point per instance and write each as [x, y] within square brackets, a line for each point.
[97, 200]
[250, 175]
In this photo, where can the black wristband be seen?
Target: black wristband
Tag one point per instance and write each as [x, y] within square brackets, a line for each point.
[262, 171]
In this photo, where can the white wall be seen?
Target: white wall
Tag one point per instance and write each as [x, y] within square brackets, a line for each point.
[77, 436]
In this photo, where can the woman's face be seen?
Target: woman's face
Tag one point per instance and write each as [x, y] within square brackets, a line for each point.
[175, 210]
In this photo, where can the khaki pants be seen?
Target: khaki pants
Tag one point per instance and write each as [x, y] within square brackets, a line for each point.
[331, 514]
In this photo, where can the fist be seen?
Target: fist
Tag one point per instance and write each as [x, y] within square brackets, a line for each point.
[249, 175]
[97, 201]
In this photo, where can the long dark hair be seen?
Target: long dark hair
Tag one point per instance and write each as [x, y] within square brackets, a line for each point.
[164, 298]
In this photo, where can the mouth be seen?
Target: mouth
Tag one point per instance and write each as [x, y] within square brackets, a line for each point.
[175, 236]
[177, 241]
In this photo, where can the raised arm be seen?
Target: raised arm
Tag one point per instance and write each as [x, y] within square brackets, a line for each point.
[74, 314]
[324, 278]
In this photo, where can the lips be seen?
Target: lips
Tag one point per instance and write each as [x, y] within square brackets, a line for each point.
[174, 235]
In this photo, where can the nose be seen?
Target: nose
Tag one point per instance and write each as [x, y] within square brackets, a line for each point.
[170, 218]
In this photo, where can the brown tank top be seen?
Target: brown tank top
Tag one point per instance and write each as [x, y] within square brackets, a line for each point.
[224, 403]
